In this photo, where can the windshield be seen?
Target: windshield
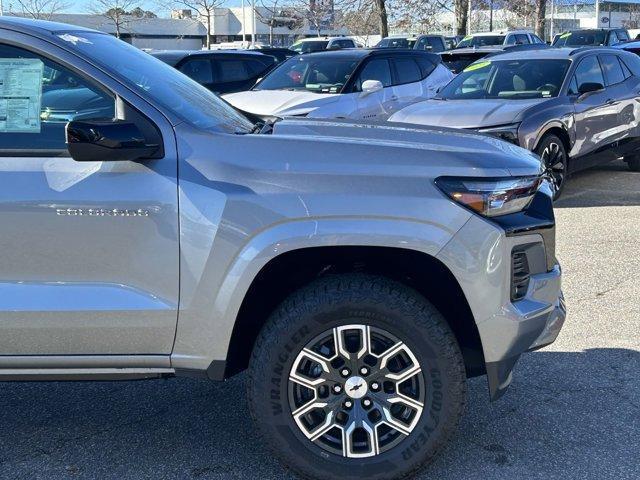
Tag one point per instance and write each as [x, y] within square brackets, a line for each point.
[481, 41]
[396, 42]
[317, 73]
[507, 79]
[156, 80]
[581, 37]
[310, 46]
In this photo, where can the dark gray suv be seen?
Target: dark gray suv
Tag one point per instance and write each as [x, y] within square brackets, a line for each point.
[573, 107]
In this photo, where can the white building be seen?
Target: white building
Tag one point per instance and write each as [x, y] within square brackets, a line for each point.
[571, 14]
[278, 27]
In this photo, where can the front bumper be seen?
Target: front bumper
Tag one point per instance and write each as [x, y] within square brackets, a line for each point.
[531, 324]
[480, 257]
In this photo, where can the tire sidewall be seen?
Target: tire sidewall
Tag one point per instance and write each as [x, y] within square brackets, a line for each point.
[547, 139]
[293, 333]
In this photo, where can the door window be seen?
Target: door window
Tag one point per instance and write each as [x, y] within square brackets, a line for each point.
[233, 70]
[432, 44]
[522, 39]
[377, 69]
[39, 98]
[622, 35]
[256, 67]
[199, 69]
[613, 70]
[407, 71]
[426, 66]
[589, 71]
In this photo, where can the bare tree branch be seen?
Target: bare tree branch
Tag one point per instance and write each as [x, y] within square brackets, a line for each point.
[117, 12]
[205, 9]
[41, 9]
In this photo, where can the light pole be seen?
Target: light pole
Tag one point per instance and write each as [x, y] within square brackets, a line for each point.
[469, 18]
[253, 23]
[553, 8]
[244, 26]
[597, 13]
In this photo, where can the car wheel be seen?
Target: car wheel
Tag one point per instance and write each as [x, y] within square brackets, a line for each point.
[634, 163]
[356, 376]
[555, 161]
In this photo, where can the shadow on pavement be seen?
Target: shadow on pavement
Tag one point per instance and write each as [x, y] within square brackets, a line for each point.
[568, 415]
[607, 185]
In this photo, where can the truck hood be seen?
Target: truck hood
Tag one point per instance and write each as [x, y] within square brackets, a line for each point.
[465, 113]
[279, 102]
[472, 153]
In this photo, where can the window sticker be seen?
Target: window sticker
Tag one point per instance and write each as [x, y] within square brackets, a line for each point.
[477, 66]
[20, 94]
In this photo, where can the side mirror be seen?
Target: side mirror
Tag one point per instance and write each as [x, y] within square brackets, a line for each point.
[371, 86]
[107, 141]
[589, 87]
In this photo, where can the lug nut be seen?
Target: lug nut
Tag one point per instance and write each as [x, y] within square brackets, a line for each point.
[366, 402]
[348, 404]
[337, 389]
[364, 370]
[375, 386]
[345, 372]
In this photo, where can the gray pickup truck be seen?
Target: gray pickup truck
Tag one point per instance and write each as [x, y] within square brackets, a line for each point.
[360, 272]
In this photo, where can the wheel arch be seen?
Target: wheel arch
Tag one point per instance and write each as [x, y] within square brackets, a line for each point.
[559, 130]
[418, 270]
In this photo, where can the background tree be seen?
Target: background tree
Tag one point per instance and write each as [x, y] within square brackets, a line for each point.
[117, 12]
[360, 18]
[205, 9]
[278, 13]
[41, 9]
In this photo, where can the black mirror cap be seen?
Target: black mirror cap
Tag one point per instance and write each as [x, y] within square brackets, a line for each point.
[589, 87]
[107, 141]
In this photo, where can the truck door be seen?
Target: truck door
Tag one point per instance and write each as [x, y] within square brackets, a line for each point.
[88, 250]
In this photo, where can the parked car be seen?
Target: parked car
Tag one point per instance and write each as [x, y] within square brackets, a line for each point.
[575, 108]
[502, 37]
[431, 43]
[318, 44]
[591, 37]
[632, 46]
[360, 271]
[221, 71]
[279, 53]
[459, 59]
[359, 84]
[452, 41]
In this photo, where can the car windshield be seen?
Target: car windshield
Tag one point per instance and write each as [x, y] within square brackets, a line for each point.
[310, 46]
[156, 80]
[507, 79]
[316, 73]
[396, 42]
[481, 41]
[580, 38]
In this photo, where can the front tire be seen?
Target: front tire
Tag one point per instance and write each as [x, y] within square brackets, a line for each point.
[554, 157]
[356, 376]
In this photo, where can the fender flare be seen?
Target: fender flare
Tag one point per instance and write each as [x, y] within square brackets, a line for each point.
[205, 340]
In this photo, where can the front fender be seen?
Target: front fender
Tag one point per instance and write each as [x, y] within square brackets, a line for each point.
[206, 322]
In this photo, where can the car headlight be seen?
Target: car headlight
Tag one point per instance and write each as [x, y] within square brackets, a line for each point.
[508, 133]
[491, 197]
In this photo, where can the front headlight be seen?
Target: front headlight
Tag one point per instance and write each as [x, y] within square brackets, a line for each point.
[491, 197]
[508, 133]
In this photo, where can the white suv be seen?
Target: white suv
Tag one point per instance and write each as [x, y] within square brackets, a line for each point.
[502, 37]
[317, 44]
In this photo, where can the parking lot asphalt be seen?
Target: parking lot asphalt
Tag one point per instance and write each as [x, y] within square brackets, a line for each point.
[573, 411]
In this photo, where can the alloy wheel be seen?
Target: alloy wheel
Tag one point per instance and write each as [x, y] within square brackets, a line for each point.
[356, 391]
[554, 160]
